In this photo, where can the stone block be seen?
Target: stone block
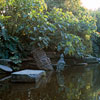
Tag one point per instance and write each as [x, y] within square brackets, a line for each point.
[27, 76]
[5, 68]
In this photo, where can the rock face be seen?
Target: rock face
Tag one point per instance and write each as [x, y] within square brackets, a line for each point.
[5, 68]
[42, 61]
[27, 76]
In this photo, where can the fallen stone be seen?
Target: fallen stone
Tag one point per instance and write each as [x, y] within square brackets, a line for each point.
[42, 61]
[40, 84]
[5, 68]
[27, 76]
[5, 78]
[91, 60]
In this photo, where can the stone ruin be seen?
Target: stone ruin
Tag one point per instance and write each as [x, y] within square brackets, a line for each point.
[42, 61]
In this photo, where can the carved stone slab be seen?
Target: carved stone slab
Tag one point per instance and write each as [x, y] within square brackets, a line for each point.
[27, 76]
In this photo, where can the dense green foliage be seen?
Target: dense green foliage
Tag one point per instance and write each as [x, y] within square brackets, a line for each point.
[29, 22]
[64, 38]
[98, 20]
[69, 5]
[96, 15]
[9, 46]
[96, 44]
[96, 36]
[72, 31]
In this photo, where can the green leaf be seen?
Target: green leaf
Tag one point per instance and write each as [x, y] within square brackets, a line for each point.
[35, 28]
[66, 51]
[59, 48]
[51, 29]
[33, 39]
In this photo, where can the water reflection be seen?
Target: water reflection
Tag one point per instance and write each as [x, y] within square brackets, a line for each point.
[76, 86]
[76, 83]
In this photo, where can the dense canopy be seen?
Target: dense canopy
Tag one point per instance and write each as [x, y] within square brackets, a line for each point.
[25, 23]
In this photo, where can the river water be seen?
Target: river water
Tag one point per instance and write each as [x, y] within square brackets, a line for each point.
[75, 83]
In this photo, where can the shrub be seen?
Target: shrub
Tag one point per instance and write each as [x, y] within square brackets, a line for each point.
[9, 46]
[30, 21]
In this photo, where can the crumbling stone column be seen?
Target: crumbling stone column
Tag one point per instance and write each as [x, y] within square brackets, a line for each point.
[42, 61]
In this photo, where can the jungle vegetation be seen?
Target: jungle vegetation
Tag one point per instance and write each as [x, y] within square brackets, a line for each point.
[60, 25]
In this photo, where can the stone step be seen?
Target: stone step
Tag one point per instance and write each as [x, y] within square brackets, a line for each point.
[5, 68]
[27, 75]
[5, 78]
